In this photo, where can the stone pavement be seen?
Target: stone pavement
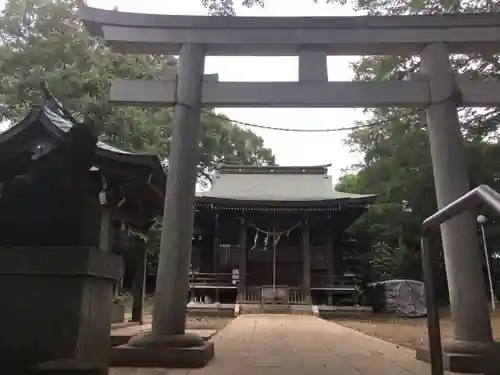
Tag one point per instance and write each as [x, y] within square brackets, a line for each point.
[297, 344]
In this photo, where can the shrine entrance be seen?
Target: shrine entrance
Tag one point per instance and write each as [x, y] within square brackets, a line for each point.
[436, 89]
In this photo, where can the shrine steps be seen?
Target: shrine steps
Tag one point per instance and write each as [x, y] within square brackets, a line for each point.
[211, 309]
[275, 308]
[344, 312]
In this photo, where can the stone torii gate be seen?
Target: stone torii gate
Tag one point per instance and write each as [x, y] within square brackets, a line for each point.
[437, 90]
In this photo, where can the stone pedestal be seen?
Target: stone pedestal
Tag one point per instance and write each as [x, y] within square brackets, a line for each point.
[171, 351]
[55, 305]
[65, 367]
[466, 357]
[117, 313]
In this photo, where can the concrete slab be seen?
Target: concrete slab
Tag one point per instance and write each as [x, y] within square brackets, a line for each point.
[297, 344]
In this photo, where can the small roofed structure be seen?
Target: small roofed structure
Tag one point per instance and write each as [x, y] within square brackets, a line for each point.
[61, 187]
[35, 159]
[274, 234]
[63, 197]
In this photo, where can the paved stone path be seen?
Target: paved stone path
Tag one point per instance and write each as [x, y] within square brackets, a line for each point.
[295, 344]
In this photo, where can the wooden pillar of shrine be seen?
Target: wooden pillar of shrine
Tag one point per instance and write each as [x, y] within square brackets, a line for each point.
[106, 234]
[242, 260]
[306, 261]
[106, 231]
[329, 244]
[337, 261]
[139, 287]
[216, 246]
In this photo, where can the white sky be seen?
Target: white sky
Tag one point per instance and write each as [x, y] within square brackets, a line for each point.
[290, 148]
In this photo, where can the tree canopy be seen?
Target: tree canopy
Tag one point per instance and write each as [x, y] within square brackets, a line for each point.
[397, 163]
[226, 7]
[396, 159]
[372, 7]
[44, 40]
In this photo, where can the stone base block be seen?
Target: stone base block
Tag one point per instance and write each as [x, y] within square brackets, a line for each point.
[162, 356]
[117, 340]
[464, 363]
[55, 305]
[117, 313]
[67, 367]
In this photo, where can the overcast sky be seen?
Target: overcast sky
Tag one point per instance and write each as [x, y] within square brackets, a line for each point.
[290, 148]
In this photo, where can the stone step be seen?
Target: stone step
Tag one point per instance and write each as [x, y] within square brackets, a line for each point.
[250, 308]
[301, 310]
[269, 308]
[275, 309]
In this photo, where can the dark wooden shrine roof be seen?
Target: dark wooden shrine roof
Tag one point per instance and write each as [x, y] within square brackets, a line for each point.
[56, 125]
[140, 176]
[277, 186]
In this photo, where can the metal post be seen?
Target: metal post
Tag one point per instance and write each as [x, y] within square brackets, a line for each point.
[481, 219]
[433, 328]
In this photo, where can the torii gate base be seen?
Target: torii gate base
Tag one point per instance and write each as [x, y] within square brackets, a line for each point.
[484, 361]
[168, 345]
[312, 39]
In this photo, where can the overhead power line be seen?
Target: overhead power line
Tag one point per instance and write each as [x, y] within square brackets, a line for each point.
[308, 130]
[372, 124]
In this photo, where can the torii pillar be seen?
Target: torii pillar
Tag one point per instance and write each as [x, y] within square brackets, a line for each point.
[473, 347]
[168, 344]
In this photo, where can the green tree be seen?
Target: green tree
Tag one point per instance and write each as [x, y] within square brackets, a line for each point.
[397, 163]
[226, 7]
[44, 40]
[372, 7]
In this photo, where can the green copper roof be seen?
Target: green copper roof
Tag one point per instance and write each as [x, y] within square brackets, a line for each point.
[283, 184]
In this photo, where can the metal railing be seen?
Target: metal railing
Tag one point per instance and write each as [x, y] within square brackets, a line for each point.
[481, 194]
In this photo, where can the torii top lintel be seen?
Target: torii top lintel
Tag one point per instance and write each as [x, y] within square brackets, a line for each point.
[281, 36]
